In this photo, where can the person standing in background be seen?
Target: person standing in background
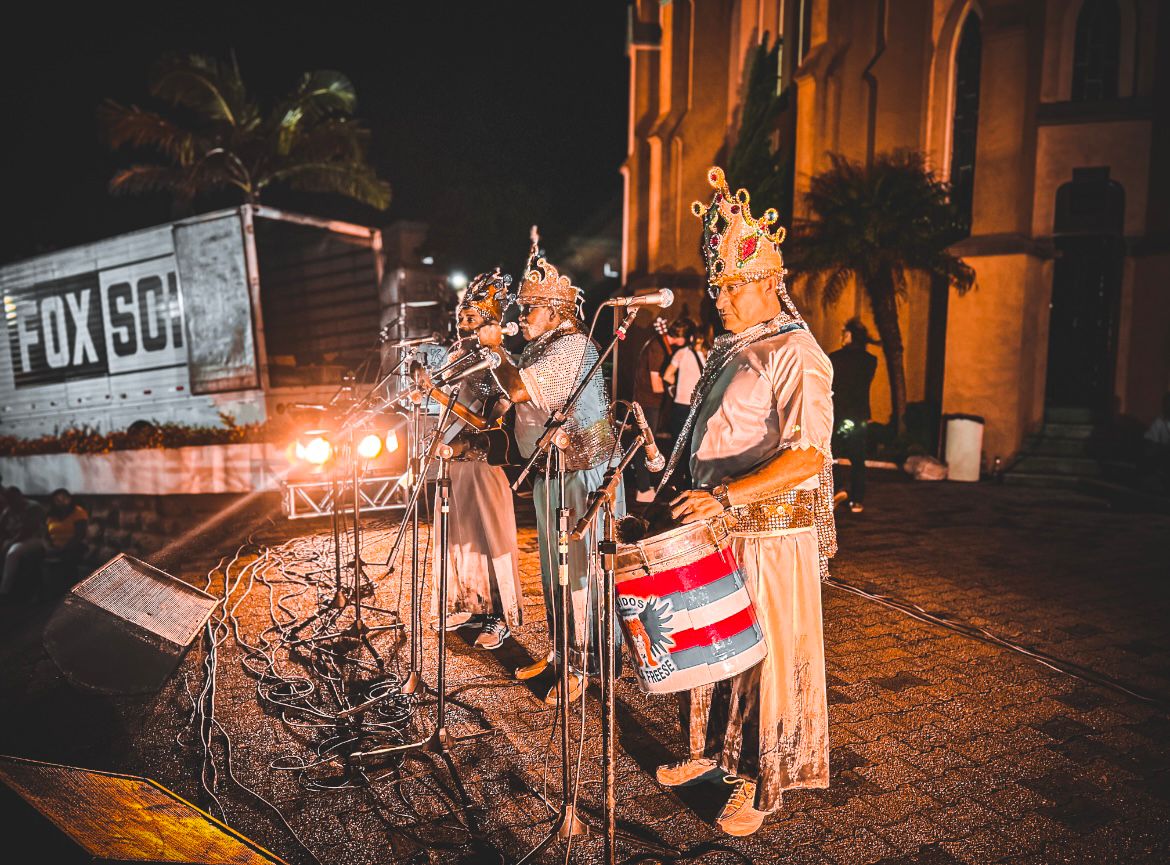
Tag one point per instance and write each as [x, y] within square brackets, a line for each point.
[650, 393]
[853, 371]
[682, 373]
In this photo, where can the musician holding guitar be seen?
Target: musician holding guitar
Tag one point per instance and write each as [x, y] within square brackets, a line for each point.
[483, 561]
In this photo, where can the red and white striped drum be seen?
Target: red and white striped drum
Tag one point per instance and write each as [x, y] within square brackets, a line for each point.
[685, 609]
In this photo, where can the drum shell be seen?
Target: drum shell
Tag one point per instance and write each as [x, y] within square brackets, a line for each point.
[685, 610]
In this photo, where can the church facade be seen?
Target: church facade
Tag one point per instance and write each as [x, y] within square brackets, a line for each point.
[1046, 116]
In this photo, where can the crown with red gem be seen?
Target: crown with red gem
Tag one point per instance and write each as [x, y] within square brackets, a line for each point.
[736, 247]
[488, 293]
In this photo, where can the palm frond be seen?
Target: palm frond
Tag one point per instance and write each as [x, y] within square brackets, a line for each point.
[319, 96]
[216, 137]
[352, 179]
[131, 125]
[835, 285]
[324, 140]
[209, 87]
[146, 179]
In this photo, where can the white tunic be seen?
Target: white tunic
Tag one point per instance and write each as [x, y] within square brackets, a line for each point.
[773, 395]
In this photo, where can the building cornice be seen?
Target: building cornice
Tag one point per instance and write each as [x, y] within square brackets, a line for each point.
[986, 245]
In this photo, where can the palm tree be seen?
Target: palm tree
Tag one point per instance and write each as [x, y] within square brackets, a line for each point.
[876, 224]
[214, 136]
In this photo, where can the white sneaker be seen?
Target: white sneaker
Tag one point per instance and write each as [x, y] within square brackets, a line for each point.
[494, 632]
[739, 816]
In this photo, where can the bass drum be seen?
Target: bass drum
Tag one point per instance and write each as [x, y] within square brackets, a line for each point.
[684, 608]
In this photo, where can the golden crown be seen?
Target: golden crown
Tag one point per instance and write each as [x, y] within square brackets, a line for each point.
[736, 247]
[488, 293]
[543, 284]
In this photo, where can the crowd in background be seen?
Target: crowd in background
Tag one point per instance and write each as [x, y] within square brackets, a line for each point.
[43, 547]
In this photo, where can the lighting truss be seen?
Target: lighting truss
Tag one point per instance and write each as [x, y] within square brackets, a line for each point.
[304, 499]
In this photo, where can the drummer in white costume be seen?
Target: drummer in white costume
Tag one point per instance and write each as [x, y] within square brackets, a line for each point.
[483, 562]
[757, 438]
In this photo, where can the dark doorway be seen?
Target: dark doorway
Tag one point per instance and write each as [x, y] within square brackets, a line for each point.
[1086, 290]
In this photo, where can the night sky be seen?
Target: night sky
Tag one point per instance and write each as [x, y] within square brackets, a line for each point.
[485, 117]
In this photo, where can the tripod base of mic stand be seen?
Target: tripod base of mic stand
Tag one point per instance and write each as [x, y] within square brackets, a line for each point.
[439, 742]
[414, 684]
[571, 825]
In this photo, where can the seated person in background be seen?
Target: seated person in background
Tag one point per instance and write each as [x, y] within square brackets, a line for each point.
[11, 516]
[65, 528]
[25, 549]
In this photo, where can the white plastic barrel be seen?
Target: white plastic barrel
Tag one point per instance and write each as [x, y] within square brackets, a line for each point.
[964, 449]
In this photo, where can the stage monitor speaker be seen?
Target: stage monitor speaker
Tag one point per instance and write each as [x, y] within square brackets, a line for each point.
[116, 818]
[123, 629]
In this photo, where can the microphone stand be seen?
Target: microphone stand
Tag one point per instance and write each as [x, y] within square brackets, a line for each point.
[414, 680]
[566, 824]
[440, 740]
[604, 497]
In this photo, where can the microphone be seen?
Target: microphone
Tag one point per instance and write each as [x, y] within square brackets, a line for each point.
[655, 461]
[509, 329]
[664, 297]
[491, 361]
[416, 340]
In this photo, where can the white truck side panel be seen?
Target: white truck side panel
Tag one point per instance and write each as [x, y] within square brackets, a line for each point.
[96, 338]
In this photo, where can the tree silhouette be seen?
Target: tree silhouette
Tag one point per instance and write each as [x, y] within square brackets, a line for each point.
[212, 135]
[876, 224]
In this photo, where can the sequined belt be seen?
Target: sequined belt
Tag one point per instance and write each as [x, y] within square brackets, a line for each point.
[790, 510]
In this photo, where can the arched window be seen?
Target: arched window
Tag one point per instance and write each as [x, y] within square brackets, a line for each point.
[1097, 51]
[965, 123]
[804, 29]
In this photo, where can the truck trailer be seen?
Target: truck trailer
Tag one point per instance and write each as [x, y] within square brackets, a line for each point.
[237, 312]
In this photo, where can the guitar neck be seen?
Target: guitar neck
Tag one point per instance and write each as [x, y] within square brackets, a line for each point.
[460, 411]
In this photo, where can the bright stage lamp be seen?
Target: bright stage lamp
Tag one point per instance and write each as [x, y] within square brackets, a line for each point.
[370, 446]
[391, 442]
[317, 451]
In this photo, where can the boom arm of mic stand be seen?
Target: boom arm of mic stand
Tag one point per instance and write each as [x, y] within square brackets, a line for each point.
[557, 419]
[606, 492]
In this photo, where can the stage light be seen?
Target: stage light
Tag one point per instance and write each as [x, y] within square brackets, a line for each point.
[457, 280]
[428, 260]
[391, 442]
[313, 447]
[370, 446]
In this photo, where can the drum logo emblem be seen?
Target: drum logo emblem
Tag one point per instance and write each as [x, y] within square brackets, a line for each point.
[647, 626]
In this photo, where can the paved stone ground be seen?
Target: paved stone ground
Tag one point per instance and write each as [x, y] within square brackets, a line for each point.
[945, 749]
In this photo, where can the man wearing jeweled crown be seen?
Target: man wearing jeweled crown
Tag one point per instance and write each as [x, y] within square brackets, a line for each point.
[557, 357]
[757, 440]
[483, 557]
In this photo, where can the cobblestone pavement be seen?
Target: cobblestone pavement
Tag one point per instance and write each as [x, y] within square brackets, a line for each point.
[945, 749]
